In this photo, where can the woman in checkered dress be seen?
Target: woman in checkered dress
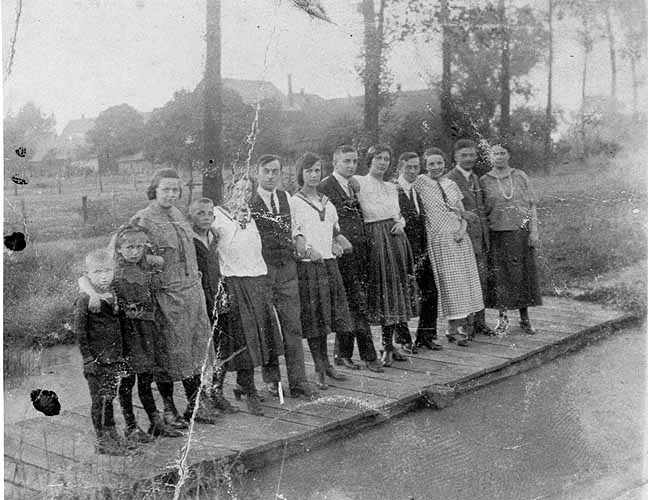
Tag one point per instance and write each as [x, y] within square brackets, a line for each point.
[450, 250]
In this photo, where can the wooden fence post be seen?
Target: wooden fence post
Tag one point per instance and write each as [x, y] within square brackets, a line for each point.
[84, 208]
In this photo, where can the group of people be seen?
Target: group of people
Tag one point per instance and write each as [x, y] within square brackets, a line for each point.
[236, 286]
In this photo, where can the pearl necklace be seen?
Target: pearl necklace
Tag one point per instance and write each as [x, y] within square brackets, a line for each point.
[499, 183]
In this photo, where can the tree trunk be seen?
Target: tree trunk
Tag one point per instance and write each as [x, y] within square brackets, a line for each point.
[213, 100]
[548, 116]
[446, 83]
[505, 76]
[371, 73]
[613, 68]
[635, 86]
[583, 97]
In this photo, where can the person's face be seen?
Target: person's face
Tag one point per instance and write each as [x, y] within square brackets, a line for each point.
[346, 164]
[202, 216]
[100, 274]
[410, 169]
[269, 175]
[435, 166]
[313, 175]
[466, 158]
[132, 247]
[167, 192]
[499, 156]
[380, 163]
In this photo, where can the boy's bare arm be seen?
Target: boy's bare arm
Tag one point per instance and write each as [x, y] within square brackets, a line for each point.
[94, 305]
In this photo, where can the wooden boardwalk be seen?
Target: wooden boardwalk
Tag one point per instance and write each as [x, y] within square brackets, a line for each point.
[49, 455]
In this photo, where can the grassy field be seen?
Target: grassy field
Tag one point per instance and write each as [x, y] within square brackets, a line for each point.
[592, 225]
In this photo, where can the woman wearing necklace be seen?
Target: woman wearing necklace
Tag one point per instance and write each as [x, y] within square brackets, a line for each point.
[391, 264]
[449, 248]
[324, 305]
[513, 222]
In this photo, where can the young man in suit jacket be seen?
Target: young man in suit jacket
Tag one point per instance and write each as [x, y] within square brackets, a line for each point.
[465, 157]
[271, 212]
[353, 265]
[409, 167]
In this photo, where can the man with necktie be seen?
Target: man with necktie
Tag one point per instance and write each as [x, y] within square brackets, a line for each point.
[465, 157]
[271, 212]
[409, 167]
[353, 265]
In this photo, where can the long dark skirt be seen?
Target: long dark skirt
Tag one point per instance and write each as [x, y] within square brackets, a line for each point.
[324, 306]
[144, 347]
[391, 296]
[513, 278]
[248, 321]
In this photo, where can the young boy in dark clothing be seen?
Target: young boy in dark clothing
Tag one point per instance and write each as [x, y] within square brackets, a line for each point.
[201, 215]
[100, 342]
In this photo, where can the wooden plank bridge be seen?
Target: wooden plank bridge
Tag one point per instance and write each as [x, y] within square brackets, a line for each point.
[54, 455]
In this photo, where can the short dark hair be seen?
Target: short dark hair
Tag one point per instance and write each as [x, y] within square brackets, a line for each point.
[305, 161]
[200, 201]
[463, 143]
[344, 148]
[267, 158]
[377, 149]
[126, 229]
[435, 151]
[165, 173]
[407, 156]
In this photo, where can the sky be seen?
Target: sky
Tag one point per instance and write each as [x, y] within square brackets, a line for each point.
[79, 57]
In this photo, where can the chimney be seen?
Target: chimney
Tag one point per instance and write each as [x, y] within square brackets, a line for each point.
[290, 94]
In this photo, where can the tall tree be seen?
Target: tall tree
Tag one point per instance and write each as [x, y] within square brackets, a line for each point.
[549, 111]
[118, 130]
[374, 29]
[611, 43]
[505, 73]
[635, 41]
[212, 107]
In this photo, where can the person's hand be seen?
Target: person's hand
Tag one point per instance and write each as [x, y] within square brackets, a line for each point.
[155, 261]
[313, 255]
[346, 245]
[354, 185]
[470, 217]
[300, 246]
[534, 240]
[459, 235]
[398, 228]
[94, 304]
[336, 249]
[90, 367]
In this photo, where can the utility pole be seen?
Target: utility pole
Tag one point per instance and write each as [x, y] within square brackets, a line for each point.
[212, 107]
[446, 97]
[505, 77]
[548, 115]
[371, 71]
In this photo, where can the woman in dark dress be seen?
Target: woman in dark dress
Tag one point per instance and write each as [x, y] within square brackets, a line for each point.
[513, 223]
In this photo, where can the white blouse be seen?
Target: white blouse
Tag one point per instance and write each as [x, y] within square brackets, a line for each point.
[239, 249]
[307, 221]
[378, 199]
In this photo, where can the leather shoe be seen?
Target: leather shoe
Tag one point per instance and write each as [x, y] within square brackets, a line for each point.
[347, 363]
[375, 366]
[303, 390]
[459, 338]
[331, 372]
[526, 326]
[398, 356]
[410, 348]
[484, 330]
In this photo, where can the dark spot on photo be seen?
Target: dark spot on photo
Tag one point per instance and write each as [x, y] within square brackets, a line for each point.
[21, 151]
[15, 242]
[16, 179]
[46, 402]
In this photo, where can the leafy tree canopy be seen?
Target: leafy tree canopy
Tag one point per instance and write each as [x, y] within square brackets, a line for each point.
[26, 129]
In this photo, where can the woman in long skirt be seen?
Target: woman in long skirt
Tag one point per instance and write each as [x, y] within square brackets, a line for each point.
[324, 306]
[513, 223]
[246, 332]
[449, 248]
[391, 264]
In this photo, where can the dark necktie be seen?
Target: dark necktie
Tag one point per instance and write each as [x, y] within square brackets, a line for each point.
[273, 205]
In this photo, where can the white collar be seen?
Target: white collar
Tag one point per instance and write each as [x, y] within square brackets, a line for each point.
[407, 186]
[344, 182]
[465, 173]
